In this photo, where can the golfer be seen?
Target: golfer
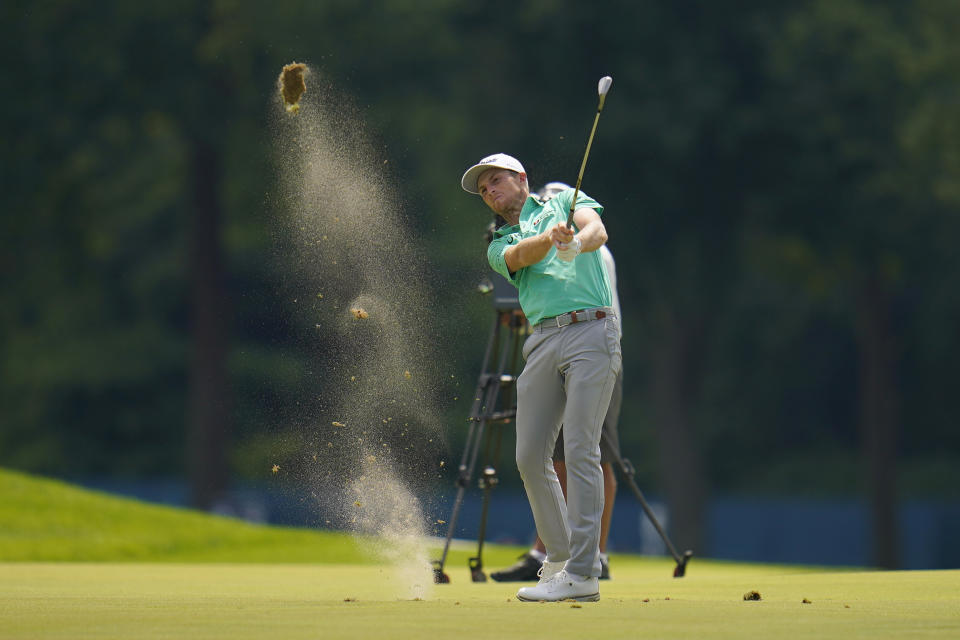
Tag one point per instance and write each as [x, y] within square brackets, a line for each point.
[528, 565]
[572, 360]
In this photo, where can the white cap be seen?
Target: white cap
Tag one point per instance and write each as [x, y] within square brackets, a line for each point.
[496, 161]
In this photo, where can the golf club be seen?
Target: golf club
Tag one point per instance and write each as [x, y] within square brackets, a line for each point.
[602, 89]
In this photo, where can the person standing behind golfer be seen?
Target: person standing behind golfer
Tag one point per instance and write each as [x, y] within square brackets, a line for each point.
[572, 359]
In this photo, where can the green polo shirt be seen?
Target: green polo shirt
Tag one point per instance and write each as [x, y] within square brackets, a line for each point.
[552, 287]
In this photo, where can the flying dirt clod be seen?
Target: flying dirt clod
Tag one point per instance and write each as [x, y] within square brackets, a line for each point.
[292, 85]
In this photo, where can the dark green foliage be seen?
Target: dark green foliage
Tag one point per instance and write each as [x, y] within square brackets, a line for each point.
[761, 163]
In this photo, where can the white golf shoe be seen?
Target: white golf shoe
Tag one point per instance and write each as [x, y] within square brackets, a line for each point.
[562, 586]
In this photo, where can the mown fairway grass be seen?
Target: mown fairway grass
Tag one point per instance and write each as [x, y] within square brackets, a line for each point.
[302, 593]
[133, 600]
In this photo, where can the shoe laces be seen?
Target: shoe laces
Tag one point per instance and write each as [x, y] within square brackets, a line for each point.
[560, 577]
[543, 568]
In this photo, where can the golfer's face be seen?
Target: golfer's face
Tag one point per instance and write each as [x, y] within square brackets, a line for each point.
[502, 190]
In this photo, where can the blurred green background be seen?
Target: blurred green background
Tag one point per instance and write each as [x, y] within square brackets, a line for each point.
[781, 191]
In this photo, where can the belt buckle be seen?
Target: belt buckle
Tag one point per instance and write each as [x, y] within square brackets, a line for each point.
[549, 323]
[570, 319]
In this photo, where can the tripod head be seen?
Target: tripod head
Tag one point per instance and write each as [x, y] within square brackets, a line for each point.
[505, 296]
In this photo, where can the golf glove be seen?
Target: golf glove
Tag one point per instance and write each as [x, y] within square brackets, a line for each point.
[567, 252]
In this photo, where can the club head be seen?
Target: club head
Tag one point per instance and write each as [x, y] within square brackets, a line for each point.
[602, 89]
[681, 569]
[604, 85]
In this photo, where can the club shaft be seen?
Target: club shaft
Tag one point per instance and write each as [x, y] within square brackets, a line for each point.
[583, 165]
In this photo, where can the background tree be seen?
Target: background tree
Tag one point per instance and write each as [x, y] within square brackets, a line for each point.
[780, 190]
[845, 90]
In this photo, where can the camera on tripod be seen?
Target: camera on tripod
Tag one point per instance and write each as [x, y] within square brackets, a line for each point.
[505, 296]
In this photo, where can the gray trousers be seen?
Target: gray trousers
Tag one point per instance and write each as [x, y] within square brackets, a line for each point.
[567, 380]
[609, 435]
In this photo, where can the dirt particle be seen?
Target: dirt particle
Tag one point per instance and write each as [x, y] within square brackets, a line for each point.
[805, 601]
[751, 595]
[292, 85]
[359, 313]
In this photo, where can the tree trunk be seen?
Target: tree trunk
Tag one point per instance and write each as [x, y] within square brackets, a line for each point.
[681, 470]
[879, 420]
[208, 421]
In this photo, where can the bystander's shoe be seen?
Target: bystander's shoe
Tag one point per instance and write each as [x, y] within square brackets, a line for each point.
[526, 568]
[561, 586]
[604, 569]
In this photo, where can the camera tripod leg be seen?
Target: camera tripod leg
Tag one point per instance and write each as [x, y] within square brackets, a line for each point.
[628, 471]
[474, 437]
[439, 576]
[484, 410]
[488, 481]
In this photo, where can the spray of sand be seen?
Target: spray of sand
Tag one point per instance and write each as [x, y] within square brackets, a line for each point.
[376, 441]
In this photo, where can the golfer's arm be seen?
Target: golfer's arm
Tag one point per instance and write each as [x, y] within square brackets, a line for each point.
[527, 252]
[592, 234]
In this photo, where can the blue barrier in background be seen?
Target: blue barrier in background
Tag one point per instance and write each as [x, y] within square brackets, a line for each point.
[772, 530]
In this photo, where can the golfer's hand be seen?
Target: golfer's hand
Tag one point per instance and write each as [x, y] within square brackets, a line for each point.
[567, 251]
[560, 234]
[568, 246]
